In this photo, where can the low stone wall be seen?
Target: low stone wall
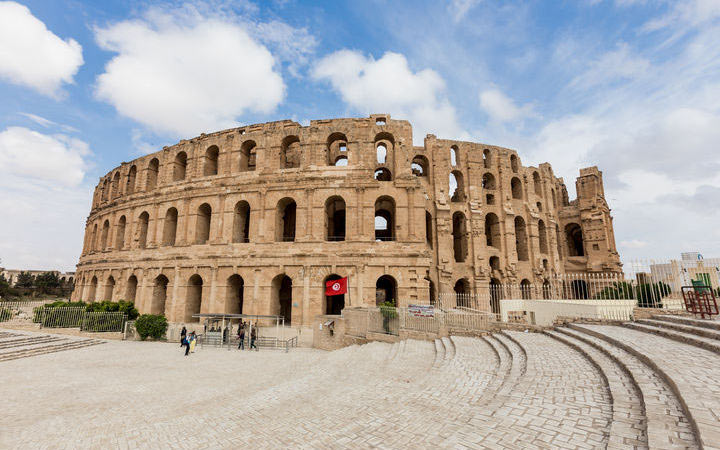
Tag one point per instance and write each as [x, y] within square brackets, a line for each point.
[648, 313]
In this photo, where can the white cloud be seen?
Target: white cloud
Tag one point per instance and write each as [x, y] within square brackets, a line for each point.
[388, 85]
[684, 13]
[618, 64]
[43, 191]
[502, 108]
[182, 74]
[31, 55]
[459, 8]
[635, 243]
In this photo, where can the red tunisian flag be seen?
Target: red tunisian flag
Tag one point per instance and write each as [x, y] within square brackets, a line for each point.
[336, 287]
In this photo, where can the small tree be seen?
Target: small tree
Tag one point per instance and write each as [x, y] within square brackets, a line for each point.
[151, 325]
[24, 280]
[47, 282]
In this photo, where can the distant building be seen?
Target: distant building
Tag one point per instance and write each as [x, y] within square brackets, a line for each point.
[691, 266]
[12, 274]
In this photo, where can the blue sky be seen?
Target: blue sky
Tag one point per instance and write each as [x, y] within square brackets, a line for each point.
[632, 86]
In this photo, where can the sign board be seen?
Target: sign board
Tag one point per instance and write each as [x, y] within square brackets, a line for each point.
[421, 310]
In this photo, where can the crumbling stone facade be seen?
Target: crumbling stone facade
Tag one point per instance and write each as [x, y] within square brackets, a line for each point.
[257, 218]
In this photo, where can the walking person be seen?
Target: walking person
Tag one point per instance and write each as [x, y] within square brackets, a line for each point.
[183, 334]
[253, 336]
[185, 342]
[193, 342]
[241, 338]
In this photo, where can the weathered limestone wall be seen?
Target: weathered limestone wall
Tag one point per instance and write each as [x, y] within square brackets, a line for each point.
[199, 225]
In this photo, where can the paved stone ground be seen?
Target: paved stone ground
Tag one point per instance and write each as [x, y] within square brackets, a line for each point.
[514, 390]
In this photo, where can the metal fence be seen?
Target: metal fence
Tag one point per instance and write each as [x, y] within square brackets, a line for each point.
[35, 313]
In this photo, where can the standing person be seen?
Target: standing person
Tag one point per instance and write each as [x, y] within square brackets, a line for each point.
[183, 334]
[193, 342]
[185, 342]
[241, 337]
[253, 336]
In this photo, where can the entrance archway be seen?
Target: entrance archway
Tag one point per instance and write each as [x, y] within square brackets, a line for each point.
[495, 295]
[334, 304]
[386, 290]
[159, 295]
[282, 297]
[235, 295]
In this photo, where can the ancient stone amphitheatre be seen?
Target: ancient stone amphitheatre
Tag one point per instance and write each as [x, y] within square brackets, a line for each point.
[652, 384]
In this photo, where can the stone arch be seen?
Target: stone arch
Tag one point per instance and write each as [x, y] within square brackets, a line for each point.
[116, 185]
[104, 235]
[488, 181]
[290, 153]
[514, 163]
[152, 174]
[120, 233]
[193, 298]
[180, 166]
[496, 294]
[241, 222]
[131, 289]
[109, 289]
[463, 295]
[419, 166]
[546, 289]
[235, 294]
[285, 220]
[537, 184]
[428, 229]
[248, 156]
[521, 241]
[341, 161]
[92, 292]
[492, 230]
[131, 179]
[385, 218]
[386, 290]
[454, 156]
[431, 291]
[159, 295]
[106, 190]
[203, 223]
[487, 162]
[282, 296]
[525, 289]
[336, 149]
[558, 241]
[459, 233]
[542, 237]
[93, 245]
[142, 229]
[516, 188]
[170, 227]
[381, 153]
[333, 304]
[384, 149]
[574, 236]
[494, 263]
[456, 186]
[210, 165]
[335, 218]
[383, 174]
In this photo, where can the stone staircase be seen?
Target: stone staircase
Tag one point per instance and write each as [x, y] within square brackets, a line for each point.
[17, 345]
[663, 375]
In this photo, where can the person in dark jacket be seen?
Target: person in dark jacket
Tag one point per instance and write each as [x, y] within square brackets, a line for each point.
[241, 338]
[183, 333]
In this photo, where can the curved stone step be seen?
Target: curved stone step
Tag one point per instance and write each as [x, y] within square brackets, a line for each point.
[47, 349]
[685, 320]
[710, 333]
[680, 396]
[709, 344]
[28, 341]
[629, 424]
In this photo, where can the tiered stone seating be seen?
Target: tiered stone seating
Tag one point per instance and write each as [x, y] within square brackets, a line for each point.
[16, 346]
[703, 334]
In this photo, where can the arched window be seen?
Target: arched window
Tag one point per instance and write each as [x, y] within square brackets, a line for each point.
[539, 206]
[514, 164]
[496, 294]
[552, 196]
[142, 229]
[106, 190]
[463, 297]
[574, 236]
[456, 186]
[459, 233]
[180, 166]
[419, 166]
[428, 229]
[282, 297]
[152, 174]
[241, 222]
[109, 289]
[385, 219]
[537, 184]
[494, 263]
[381, 153]
[335, 219]
[290, 153]
[542, 235]
[93, 245]
[431, 291]
[210, 166]
[120, 236]
[516, 187]
[285, 222]
[170, 227]
[386, 290]
[521, 242]
[335, 149]
[159, 295]
[116, 185]
[492, 230]
[194, 298]
[92, 292]
[486, 158]
[488, 181]
[235, 295]
[525, 289]
[132, 176]
[131, 289]
[104, 235]
[454, 156]
[334, 304]
[248, 156]
[202, 225]
[383, 174]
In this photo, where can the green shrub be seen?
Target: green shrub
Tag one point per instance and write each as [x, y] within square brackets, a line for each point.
[151, 325]
[5, 314]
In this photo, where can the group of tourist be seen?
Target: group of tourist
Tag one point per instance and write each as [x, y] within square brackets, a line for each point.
[241, 335]
[188, 341]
